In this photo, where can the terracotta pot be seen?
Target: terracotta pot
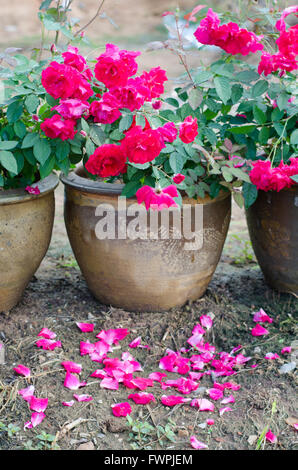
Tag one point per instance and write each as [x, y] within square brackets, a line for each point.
[141, 274]
[273, 227]
[26, 223]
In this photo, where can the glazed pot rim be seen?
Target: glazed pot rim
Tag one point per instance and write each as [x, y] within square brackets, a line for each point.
[18, 195]
[82, 183]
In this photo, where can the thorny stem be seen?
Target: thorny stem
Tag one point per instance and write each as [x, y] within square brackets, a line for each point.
[183, 61]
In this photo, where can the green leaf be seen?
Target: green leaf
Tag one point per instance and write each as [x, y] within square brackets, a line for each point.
[223, 88]
[259, 115]
[140, 121]
[8, 161]
[195, 98]
[14, 111]
[47, 167]
[294, 137]
[242, 129]
[202, 76]
[227, 174]
[264, 135]
[62, 150]
[20, 129]
[8, 144]
[29, 140]
[250, 194]
[90, 147]
[294, 178]
[238, 198]
[125, 122]
[247, 76]
[42, 150]
[85, 125]
[131, 188]
[259, 88]
[176, 162]
[282, 100]
[240, 174]
[97, 135]
[31, 103]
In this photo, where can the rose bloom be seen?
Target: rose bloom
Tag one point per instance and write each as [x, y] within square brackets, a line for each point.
[154, 82]
[72, 58]
[188, 129]
[106, 110]
[71, 108]
[132, 96]
[55, 127]
[60, 80]
[115, 66]
[228, 37]
[107, 160]
[157, 199]
[142, 146]
[168, 132]
[271, 63]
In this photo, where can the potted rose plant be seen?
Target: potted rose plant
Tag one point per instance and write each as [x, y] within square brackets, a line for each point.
[27, 161]
[137, 144]
[253, 104]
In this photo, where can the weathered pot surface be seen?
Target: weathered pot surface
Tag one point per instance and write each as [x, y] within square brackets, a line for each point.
[273, 227]
[142, 274]
[26, 223]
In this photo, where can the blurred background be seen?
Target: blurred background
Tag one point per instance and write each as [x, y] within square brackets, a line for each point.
[127, 23]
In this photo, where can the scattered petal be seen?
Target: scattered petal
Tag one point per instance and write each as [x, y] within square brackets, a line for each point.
[261, 316]
[202, 404]
[27, 393]
[224, 410]
[121, 409]
[72, 382]
[271, 437]
[271, 356]
[227, 400]
[210, 422]
[172, 400]
[38, 404]
[136, 343]
[83, 397]
[72, 367]
[85, 327]
[46, 333]
[157, 376]
[259, 330]
[110, 383]
[36, 419]
[215, 393]
[286, 350]
[142, 398]
[68, 403]
[48, 344]
[197, 444]
[22, 370]
[206, 321]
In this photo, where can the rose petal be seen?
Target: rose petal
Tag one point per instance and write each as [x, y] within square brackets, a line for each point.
[38, 404]
[22, 370]
[83, 397]
[259, 330]
[27, 393]
[224, 410]
[72, 367]
[110, 383]
[85, 327]
[197, 444]
[142, 398]
[72, 382]
[36, 419]
[68, 403]
[46, 333]
[271, 437]
[121, 409]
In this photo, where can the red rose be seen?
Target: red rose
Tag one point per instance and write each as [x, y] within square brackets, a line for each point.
[114, 66]
[60, 80]
[106, 110]
[72, 58]
[168, 132]
[188, 130]
[154, 81]
[107, 160]
[142, 146]
[57, 128]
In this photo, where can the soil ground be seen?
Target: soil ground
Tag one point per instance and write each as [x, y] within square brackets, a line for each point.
[58, 297]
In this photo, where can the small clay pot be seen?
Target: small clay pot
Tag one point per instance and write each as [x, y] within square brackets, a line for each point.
[273, 227]
[26, 223]
[141, 274]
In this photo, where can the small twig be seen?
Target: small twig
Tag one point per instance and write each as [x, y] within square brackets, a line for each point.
[92, 19]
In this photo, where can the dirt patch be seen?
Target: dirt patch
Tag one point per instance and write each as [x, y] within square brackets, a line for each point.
[58, 297]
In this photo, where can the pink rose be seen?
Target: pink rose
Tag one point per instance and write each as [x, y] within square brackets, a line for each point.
[154, 81]
[168, 132]
[157, 199]
[71, 108]
[72, 58]
[188, 130]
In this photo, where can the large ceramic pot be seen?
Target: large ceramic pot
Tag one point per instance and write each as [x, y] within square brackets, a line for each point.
[273, 227]
[142, 274]
[26, 223]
